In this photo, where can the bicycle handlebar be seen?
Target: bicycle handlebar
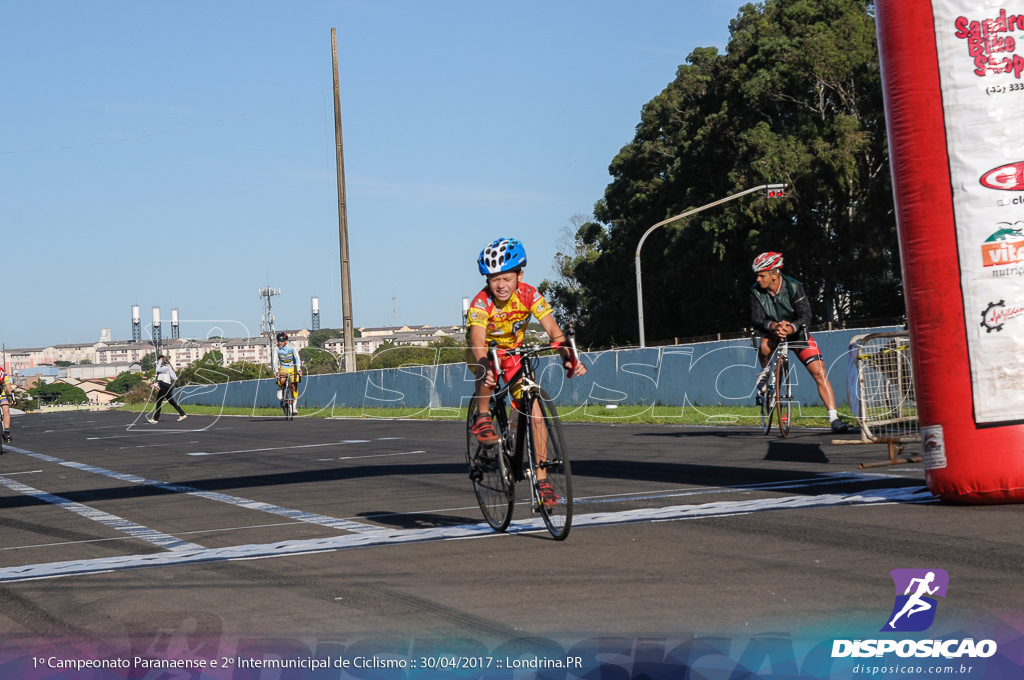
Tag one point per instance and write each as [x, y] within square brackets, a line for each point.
[495, 354]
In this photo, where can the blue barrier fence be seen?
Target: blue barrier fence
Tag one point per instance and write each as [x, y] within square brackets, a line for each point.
[700, 374]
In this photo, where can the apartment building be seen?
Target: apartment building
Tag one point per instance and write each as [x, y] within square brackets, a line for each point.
[184, 351]
[371, 339]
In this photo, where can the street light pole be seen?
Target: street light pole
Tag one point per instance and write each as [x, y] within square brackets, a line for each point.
[773, 190]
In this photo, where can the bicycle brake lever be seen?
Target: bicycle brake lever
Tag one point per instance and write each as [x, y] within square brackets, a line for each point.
[573, 353]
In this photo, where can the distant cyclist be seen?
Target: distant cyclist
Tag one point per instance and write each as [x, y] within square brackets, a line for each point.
[501, 312]
[289, 368]
[6, 401]
[779, 308]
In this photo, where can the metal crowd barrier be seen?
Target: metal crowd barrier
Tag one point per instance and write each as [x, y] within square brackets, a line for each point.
[887, 405]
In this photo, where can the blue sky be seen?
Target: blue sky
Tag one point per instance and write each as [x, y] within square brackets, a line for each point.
[181, 155]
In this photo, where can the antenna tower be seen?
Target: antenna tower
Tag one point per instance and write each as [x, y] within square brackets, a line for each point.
[267, 318]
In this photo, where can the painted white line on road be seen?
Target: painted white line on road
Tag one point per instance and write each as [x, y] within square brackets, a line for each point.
[145, 432]
[279, 448]
[106, 519]
[379, 455]
[297, 515]
[406, 536]
[23, 472]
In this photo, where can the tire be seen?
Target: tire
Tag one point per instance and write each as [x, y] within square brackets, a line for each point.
[554, 467]
[288, 401]
[768, 407]
[783, 396]
[492, 480]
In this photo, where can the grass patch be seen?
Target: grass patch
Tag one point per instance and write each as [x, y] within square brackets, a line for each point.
[724, 416]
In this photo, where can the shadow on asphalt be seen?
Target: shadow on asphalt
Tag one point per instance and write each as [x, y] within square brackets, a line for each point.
[420, 520]
[128, 491]
[693, 474]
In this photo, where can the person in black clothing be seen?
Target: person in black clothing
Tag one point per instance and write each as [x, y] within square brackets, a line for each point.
[165, 377]
[779, 308]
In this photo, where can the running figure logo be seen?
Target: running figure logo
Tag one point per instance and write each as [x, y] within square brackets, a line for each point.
[914, 609]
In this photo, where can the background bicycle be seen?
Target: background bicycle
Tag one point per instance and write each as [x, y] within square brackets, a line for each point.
[530, 447]
[289, 393]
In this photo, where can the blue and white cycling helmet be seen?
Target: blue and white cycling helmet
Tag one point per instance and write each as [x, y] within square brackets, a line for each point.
[502, 255]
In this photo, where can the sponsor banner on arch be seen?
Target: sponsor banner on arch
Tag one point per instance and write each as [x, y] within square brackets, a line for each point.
[981, 62]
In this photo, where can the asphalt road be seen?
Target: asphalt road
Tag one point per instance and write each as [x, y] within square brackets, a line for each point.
[118, 534]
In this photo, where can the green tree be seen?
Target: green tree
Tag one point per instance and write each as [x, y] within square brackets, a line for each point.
[449, 350]
[567, 297]
[125, 382]
[208, 370]
[245, 370]
[318, 338]
[444, 350]
[796, 98]
[59, 393]
[319, 361]
[148, 362]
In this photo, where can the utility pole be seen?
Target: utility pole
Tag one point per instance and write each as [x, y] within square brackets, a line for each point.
[346, 279]
[771, 191]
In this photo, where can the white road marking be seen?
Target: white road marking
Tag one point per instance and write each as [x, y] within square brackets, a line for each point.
[379, 455]
[297, 515]
[399, 536]
[279, 448]
[106, 519]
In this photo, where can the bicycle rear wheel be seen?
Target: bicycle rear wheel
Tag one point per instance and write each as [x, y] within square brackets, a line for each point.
[492, 481]
[550, 464]
[783, 400]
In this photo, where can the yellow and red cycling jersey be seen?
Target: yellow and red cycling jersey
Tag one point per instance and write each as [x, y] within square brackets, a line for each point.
[506, 324]
[5, 383]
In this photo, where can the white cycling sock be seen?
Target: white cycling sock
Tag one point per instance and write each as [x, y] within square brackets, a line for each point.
[832, 415]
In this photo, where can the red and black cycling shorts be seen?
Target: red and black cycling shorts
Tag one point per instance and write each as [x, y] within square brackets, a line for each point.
[802, 344]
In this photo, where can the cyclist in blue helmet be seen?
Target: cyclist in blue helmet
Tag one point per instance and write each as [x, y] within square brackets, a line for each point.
[500, 313]
[289, 368]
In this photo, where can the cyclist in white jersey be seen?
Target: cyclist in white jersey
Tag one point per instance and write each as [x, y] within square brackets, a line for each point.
[288, 365]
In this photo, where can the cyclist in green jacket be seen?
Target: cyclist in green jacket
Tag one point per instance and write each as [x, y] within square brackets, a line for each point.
[779, 308]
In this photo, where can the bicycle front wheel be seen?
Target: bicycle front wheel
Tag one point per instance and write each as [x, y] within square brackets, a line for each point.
[783, 396]
[767, 407]
[552, 474]
[492, 480]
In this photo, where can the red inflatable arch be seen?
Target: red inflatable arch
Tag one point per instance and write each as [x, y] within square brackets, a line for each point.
[953, 78]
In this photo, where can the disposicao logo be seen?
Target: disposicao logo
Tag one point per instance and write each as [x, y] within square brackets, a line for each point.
[916, 589]
[1008, 177]
[914, 611]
